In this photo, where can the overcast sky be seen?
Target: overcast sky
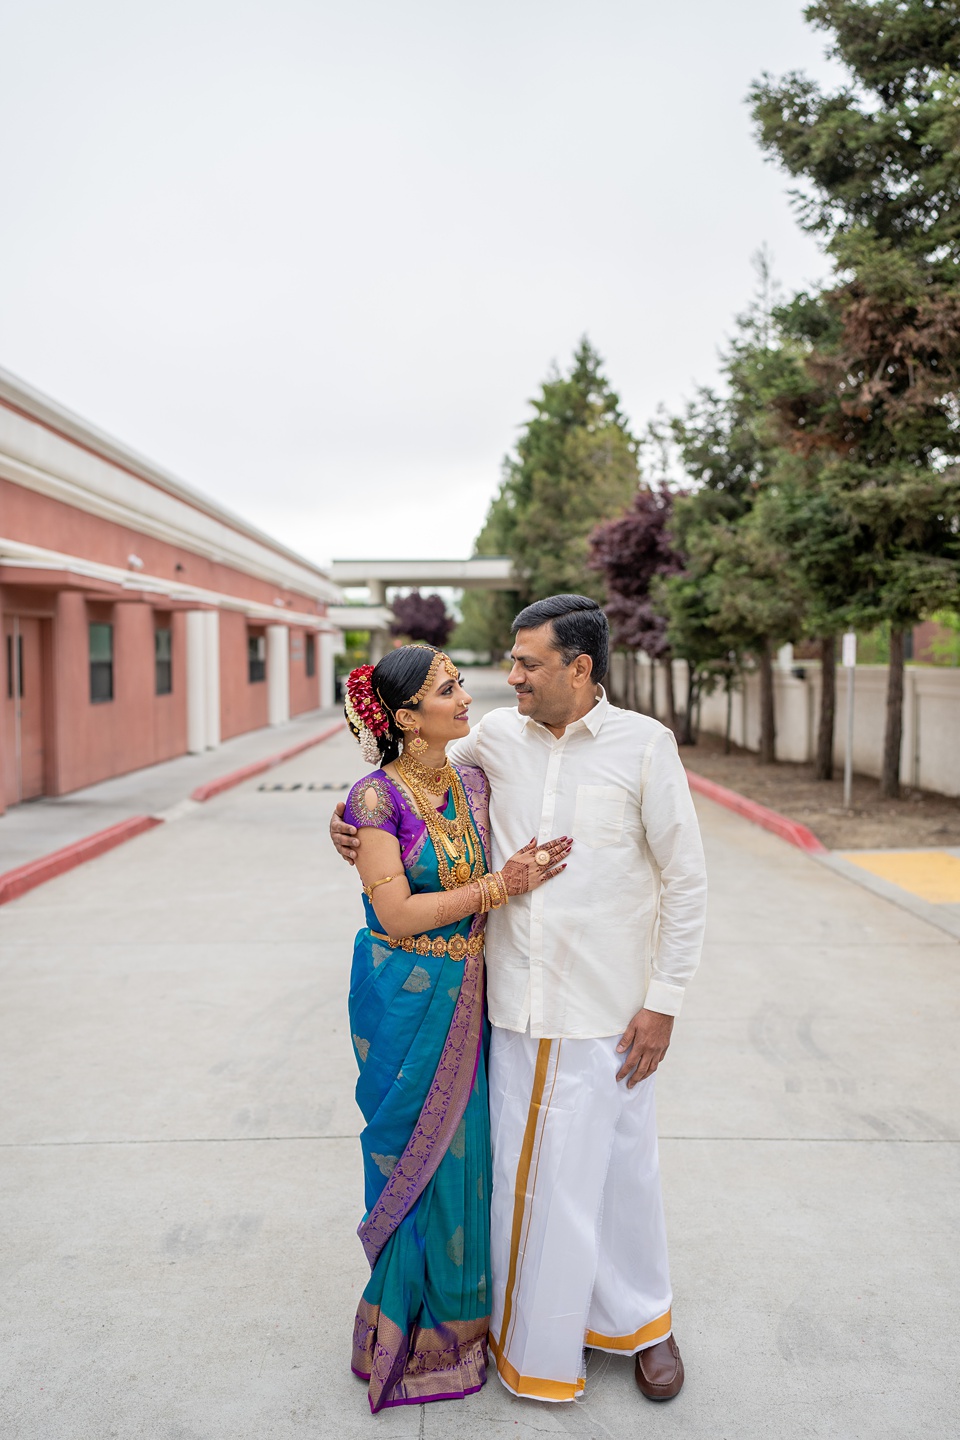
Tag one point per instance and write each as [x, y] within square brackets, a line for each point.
[315, 258]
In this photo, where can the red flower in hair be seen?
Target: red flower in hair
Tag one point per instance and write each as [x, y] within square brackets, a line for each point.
[366, 706]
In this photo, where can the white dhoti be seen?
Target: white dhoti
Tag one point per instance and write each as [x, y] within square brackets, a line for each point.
[578, 1243]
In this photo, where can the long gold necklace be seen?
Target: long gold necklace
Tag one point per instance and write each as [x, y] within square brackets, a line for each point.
[458, 856]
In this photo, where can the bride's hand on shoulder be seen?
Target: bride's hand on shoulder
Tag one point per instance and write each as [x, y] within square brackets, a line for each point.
[535, 864]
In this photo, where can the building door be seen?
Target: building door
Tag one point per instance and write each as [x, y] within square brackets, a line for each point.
[23, 708]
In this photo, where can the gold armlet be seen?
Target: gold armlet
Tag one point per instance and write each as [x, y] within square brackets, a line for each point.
[369, 889]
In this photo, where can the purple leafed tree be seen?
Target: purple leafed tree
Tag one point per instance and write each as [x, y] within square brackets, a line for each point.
[422, 617]
[631, 552]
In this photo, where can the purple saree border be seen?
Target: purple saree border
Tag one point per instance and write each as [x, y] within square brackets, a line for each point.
[427, 1399]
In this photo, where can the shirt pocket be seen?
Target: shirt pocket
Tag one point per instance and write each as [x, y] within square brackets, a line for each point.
[598, 818]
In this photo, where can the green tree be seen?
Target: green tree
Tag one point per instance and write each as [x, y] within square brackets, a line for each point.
[945, 645]
[735, 597]
[800, 515]
[880, 165]
[487, 615]
[575, 465]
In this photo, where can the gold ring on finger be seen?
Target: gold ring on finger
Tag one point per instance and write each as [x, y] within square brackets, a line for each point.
[543, 858]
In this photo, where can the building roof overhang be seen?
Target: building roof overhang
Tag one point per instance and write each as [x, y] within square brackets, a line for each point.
[46, 448]
[36, 568]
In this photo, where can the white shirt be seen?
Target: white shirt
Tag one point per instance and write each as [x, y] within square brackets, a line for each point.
[622, 927]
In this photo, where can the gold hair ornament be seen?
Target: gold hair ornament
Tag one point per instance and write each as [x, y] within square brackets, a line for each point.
[438, 660]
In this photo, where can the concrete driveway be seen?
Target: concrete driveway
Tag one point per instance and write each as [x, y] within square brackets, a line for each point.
[180, 1176]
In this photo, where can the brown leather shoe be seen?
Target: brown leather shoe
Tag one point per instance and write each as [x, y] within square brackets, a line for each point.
[659, 1370]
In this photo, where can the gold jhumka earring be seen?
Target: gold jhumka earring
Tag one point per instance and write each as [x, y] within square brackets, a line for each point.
[417, 743]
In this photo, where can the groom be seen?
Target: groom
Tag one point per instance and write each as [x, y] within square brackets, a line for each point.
[584, 979]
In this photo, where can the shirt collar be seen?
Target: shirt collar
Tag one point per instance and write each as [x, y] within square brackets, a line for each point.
[592, 720]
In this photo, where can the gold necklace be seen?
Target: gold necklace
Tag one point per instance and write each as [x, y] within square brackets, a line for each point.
[437, 778]
[459, 859]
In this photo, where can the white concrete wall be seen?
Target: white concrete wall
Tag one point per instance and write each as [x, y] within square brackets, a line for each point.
[930, 756]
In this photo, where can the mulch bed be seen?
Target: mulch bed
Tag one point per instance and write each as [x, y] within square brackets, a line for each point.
[918, 819]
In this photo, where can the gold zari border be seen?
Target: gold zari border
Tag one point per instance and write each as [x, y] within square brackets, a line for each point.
[428, 1364]
[646, 1335]
[531, 1385]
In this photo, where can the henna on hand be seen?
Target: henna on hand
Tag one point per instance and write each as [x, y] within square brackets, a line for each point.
[516, 875]
[521, 872]
[453, 905]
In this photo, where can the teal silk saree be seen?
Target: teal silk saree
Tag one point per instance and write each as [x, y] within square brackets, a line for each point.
[418, 1027]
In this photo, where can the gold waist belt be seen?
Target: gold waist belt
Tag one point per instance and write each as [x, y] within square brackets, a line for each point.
[458, 947]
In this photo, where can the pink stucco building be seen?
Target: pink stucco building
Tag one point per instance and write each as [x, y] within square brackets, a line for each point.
[139, 619]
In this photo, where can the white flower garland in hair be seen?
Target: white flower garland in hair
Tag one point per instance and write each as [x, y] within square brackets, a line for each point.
[369, 746]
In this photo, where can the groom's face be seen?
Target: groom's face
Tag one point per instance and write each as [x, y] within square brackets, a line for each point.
[545, 687]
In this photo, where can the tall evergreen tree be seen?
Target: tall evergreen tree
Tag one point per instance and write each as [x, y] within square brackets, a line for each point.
[728, 448]
[880, 162]
[575, 465]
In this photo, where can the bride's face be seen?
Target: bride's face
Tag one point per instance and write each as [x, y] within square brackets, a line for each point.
[442, 715]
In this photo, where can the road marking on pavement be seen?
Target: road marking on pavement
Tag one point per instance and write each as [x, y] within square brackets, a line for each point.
[933, 875]
[178, 811]
[302, 785]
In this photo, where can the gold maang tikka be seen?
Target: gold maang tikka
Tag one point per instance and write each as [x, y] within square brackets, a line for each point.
[416, 742]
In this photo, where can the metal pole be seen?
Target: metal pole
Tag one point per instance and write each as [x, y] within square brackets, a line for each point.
[848, 757]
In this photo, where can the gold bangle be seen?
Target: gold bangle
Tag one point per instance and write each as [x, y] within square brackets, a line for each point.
[497, 889]
[487, 894]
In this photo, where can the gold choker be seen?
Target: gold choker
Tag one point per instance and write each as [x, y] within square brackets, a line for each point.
[426, 777]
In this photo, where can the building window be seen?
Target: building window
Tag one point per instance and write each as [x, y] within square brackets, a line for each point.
[101, 663]
[163, 659]
[11, 668]
[256, 658]
[311, 655]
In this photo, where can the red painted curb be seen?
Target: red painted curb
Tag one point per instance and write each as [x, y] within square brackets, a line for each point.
[237, 777]
[26, 877]
[790, 830]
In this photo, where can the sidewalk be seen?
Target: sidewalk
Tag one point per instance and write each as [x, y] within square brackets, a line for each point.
[40, 827]
[181, 1182]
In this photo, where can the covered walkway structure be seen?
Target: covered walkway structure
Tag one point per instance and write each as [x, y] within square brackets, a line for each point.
[480, 572]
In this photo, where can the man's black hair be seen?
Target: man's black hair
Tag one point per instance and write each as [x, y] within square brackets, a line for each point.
[579, 628]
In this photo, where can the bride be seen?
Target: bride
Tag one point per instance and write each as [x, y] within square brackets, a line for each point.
[418, 1028]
